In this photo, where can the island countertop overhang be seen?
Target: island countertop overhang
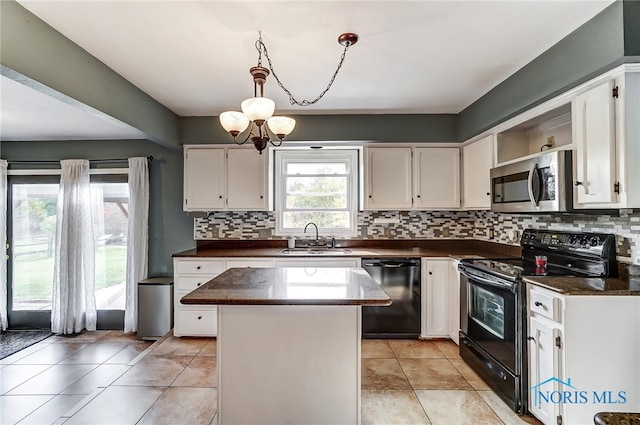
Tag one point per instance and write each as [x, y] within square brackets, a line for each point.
[290, 286]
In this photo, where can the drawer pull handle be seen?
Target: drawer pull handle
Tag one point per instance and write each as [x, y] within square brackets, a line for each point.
[199, 317]
[199, 283]
[537, 303]
[530, 338]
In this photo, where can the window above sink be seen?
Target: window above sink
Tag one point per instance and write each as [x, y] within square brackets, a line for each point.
[316, 186]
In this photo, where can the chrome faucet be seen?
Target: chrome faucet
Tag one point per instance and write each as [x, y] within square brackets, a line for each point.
[314, 225]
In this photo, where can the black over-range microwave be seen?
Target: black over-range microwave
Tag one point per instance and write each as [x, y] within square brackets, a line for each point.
[539, 184]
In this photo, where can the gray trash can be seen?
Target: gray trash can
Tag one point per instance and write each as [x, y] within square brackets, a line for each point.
[155, 307]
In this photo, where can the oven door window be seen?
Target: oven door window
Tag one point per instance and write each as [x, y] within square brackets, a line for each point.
[487, 310]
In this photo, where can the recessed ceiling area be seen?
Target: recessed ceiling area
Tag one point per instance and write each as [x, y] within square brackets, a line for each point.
[28, 114]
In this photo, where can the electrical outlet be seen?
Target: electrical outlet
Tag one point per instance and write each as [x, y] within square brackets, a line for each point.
[445, 232]
[387, 232]
[551, 141]
[264, 233]
[490, 233]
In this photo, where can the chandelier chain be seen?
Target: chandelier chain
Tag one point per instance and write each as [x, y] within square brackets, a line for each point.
[292, 100]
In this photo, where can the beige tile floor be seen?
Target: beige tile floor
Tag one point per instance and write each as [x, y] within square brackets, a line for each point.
[108, 377]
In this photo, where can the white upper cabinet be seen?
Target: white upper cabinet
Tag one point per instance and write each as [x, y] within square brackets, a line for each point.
[595, 136]
[436, 178]
[607, 142]
[217, 178]
[477, 160]
[412, 178]
[204, 178]
[246, 171]
[388, 179]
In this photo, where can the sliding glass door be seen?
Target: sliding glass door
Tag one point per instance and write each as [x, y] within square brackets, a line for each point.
[110, 210]
[32, 209]
[31, 236]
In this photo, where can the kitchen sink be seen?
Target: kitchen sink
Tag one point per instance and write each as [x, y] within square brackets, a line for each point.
[316, 251]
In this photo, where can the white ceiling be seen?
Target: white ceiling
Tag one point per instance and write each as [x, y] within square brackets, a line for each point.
[29, 114]
[412, 56]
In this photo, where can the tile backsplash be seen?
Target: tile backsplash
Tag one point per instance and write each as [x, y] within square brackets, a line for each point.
[485, 225]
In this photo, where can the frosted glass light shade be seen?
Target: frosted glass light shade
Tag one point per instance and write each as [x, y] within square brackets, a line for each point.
[281, 125]
[258, 108]
[234, 121]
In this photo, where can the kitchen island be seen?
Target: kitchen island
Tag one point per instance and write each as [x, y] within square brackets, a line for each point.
[289, 343]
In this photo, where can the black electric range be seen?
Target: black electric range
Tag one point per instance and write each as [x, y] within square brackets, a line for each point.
[493, 328]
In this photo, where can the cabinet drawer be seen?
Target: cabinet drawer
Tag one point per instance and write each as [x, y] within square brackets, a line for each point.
[211, 268]
[314, 263]
[189, 283]
[197, 322]
[545, 304]
[249, 263]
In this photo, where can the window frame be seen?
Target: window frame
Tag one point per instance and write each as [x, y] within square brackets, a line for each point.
[283, 156]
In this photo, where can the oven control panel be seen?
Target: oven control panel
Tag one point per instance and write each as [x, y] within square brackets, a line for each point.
[596, 244]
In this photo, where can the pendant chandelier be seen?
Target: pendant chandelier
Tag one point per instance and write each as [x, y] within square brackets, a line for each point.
[258, 110]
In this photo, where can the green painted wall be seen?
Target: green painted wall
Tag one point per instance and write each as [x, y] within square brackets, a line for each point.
[170, 229]
[36, 51]
[631, 12]
[385, 128]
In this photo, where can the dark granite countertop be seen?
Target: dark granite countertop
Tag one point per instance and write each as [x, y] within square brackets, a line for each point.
[569, 285]
[616, 418]
[290, 286]
[357, 248]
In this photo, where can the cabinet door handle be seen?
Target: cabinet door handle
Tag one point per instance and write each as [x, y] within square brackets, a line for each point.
[198, 268]
[418, 196]
[430, 273]
[530, 338]
[199, 283]
[199, 317]
[220, 197]
[261, 197]
[537, 303]
[488, 194]
[369, 196]
[577, 183]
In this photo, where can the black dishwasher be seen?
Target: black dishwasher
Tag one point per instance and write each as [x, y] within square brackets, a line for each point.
[400, 279]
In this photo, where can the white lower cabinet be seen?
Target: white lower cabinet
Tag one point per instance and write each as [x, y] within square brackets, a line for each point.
[454, 301]
[189, 273]
[435, 297]
[440, 291]
[583, 355]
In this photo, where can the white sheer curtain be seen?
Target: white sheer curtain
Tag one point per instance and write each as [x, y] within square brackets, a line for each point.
[3, 241]
[74, 302]
[137, 238]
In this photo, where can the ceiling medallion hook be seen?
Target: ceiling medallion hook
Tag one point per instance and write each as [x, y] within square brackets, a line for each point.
[348, 39]
[258, 110]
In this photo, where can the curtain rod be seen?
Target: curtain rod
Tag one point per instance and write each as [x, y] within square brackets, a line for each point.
[94, 161]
